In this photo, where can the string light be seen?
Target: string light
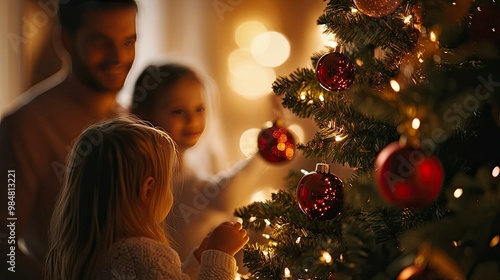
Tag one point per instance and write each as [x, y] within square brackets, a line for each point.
[494, 241]
[415, 123]
[433, 36]
[298, 240]
[267, 221]
[407, 19]
[266, 235]
[496, 171]
[458, 193]
[287, 273]
[395, 86]
[252, 219]
[326, 257]
[339, 138]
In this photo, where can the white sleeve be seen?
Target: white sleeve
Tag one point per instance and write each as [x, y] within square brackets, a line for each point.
[217, 265]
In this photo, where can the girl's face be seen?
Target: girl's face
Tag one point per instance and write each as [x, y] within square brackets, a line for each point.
[181, 112]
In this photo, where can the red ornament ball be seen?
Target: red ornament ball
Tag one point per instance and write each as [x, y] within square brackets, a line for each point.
[407, 177]
[335, 72]
[377, 8]
[276, 143]
[320, 194]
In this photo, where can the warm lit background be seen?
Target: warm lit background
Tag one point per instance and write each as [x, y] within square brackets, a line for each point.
[242, 44]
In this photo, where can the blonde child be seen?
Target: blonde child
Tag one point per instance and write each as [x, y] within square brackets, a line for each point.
[180, 100]
[108, 222]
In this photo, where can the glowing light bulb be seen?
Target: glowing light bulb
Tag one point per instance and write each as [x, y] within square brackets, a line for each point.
[494, 241]
[458, 193]
[433, 36]
[496, 171]
[407, 19]
[326, 257]
[415, 123]
[287, 272]
[395, 86]
[339, 138]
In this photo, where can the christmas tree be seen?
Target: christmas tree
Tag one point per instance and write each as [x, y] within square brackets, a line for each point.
[408, 96]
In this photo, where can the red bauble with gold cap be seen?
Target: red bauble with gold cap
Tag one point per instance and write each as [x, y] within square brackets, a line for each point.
[320, 194]
[335, 72]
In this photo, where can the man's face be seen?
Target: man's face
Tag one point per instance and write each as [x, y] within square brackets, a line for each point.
[103, 48]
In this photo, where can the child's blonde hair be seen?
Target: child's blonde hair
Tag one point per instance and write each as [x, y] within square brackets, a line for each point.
[100, 202]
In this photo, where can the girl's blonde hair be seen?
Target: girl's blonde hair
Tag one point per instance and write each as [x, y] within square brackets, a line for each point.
[100, 202]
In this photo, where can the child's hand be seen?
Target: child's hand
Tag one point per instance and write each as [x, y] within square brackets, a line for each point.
[227, 237]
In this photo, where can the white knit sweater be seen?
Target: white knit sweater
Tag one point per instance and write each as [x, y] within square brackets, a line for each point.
[141, 258]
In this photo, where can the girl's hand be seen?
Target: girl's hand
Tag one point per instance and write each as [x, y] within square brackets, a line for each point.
[227, 237]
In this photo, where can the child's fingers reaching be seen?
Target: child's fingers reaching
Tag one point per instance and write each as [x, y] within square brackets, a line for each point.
[229, 238]
[237, 225]
[242, 232]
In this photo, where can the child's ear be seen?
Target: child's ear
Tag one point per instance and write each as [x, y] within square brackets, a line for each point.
[146, 190]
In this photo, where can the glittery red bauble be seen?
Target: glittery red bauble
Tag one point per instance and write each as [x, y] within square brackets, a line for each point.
[335, 72]
[407, 177]
[276, 143]
[320, 194]
[377, 8]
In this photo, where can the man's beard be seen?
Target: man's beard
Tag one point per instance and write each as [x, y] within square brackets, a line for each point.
[82, 72]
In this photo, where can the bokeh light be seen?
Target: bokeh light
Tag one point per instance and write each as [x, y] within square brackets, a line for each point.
[328, 39]
[247, 77]
[270, 48]
[247, 31]
[248, 142]
[262, 195]
[298, 131]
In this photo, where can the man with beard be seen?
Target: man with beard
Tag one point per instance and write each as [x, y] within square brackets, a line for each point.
[37, 132]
